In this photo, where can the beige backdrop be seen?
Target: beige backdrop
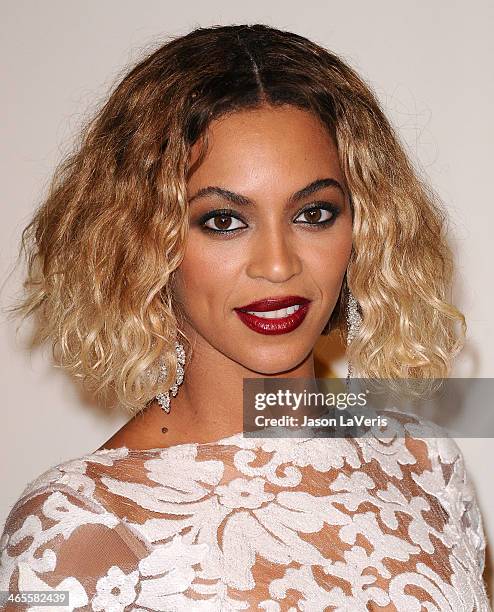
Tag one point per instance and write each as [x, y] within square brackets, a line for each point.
[431, 65]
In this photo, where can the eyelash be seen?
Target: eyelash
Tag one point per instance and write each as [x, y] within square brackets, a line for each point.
[225, 212]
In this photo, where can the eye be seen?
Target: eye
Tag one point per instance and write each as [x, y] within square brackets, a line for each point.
[322, 214]
[221, 222]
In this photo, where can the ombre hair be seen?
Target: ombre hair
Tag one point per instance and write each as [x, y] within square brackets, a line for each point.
[103, 247]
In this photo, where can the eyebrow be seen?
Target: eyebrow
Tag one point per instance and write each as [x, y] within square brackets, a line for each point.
[241, 200]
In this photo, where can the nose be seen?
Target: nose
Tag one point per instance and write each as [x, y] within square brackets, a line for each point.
[273, 256]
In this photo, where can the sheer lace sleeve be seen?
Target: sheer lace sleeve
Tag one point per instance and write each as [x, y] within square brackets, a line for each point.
[63, 541]
[459, 499]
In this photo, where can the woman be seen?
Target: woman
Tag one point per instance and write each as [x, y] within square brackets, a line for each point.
[239, 194]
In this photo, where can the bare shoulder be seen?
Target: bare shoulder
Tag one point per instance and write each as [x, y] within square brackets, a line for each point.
[150, 429]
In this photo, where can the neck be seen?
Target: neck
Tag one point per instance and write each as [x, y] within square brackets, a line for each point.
[209, 403]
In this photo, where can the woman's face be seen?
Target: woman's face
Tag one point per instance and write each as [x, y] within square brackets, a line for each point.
[269, 218]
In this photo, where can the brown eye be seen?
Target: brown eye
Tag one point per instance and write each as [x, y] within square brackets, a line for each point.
[315, 216]
[222, 223]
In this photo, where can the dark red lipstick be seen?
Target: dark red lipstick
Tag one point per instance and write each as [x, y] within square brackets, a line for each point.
[278, 325]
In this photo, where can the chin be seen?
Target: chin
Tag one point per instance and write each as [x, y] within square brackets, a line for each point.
[272, 366]
[275, 371]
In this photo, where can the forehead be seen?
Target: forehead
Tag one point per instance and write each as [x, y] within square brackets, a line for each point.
[265, 145]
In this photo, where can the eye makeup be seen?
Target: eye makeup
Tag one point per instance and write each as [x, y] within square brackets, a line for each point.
[229, 213]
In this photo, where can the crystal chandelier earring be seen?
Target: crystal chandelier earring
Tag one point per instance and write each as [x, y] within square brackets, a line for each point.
[354, 320]
[164, 398]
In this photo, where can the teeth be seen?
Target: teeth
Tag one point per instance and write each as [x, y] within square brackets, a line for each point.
[276, 314]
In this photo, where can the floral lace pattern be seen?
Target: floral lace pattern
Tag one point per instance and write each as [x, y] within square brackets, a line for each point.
[273, 524]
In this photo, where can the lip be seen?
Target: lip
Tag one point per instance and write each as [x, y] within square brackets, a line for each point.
[283, 325]
[274, 303]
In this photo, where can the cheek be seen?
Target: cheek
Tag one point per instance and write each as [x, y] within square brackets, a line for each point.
[329, 259]
[201, 280]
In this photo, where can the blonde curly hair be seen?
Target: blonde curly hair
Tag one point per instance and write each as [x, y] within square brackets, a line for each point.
[103, 247]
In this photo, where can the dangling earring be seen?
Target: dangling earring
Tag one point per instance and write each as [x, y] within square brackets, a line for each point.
[354, 320]
[164, 398]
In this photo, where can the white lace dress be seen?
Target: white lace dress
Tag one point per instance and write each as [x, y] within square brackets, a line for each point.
[253, 524]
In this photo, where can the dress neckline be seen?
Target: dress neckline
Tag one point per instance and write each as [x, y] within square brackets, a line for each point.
[226, 440]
